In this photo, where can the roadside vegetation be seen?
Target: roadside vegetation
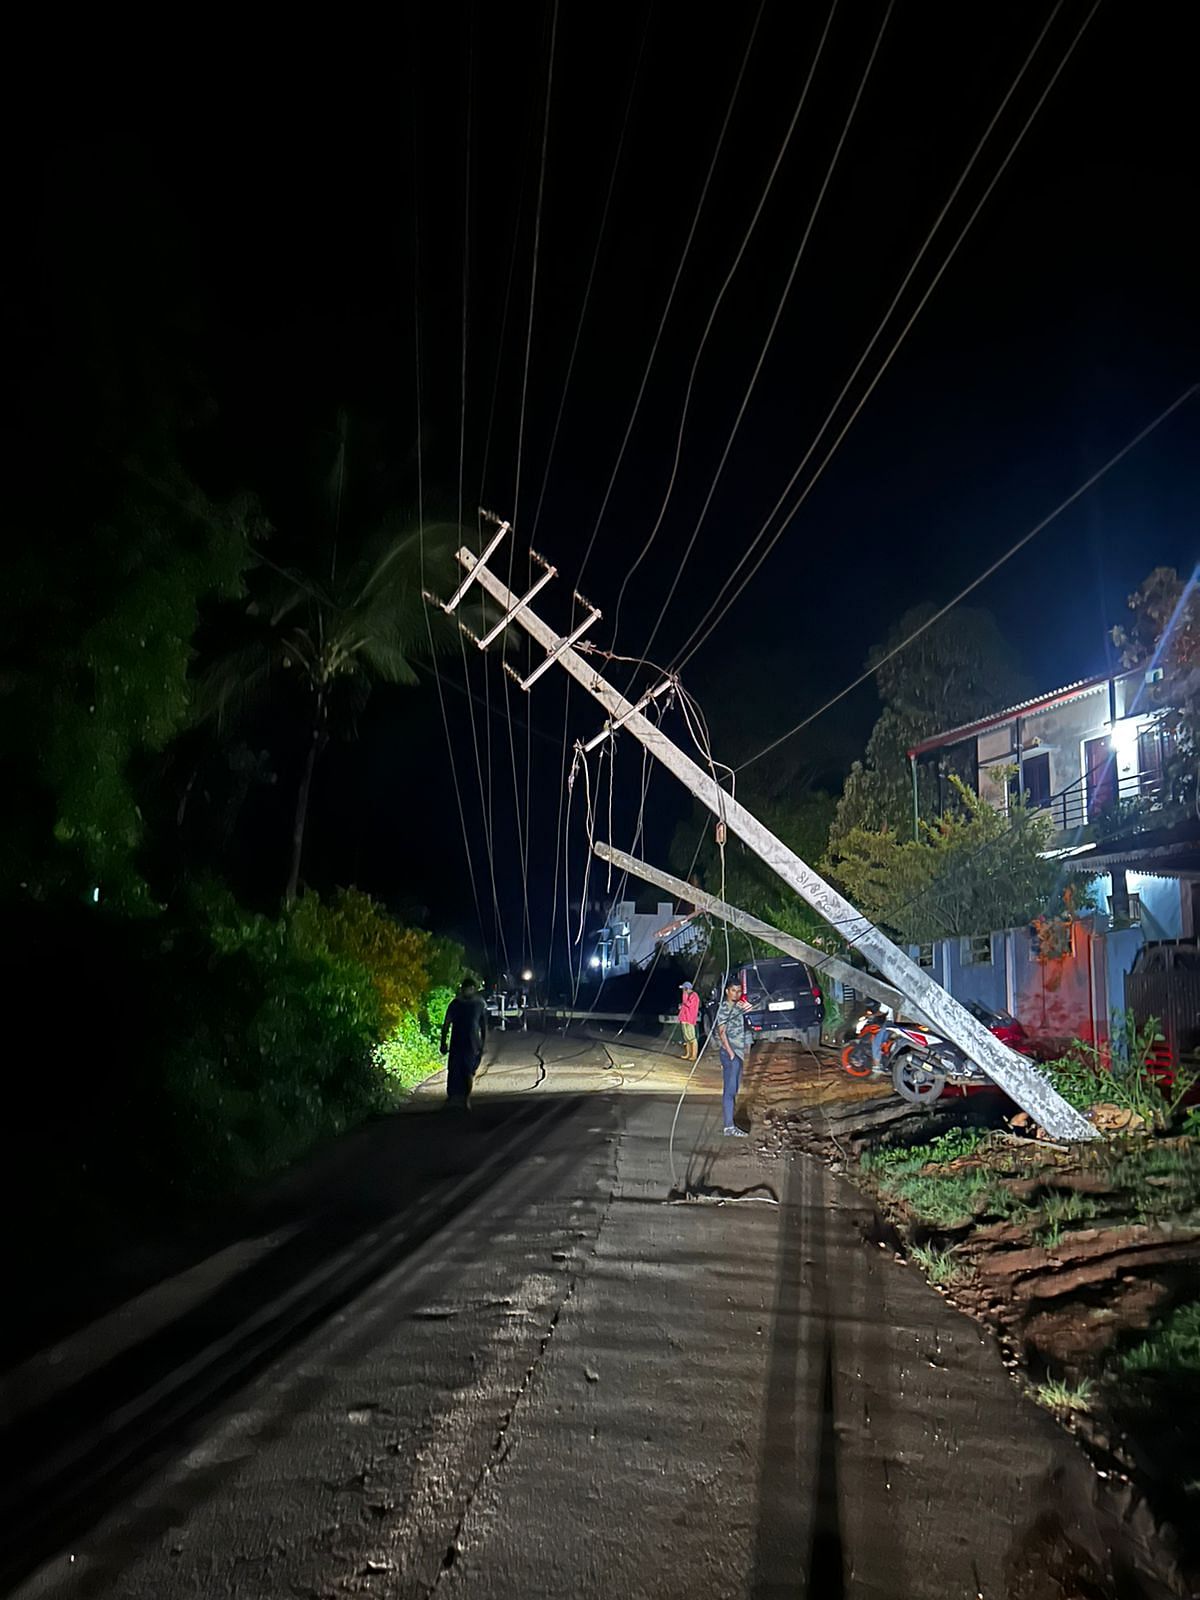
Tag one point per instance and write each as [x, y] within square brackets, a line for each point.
[1083, 1260]
[188, 1014]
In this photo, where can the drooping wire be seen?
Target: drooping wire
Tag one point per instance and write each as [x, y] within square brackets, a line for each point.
[720, 605]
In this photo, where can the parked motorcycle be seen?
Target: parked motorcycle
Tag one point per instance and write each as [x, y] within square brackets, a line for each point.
[919, 1062]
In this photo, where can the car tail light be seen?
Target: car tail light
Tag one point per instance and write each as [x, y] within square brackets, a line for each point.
[816, 992]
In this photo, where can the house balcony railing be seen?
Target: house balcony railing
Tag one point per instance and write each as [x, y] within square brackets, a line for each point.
[1096, 797]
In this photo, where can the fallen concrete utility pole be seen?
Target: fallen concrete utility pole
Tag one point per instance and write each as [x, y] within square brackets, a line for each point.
[1015, 1074]
[862, 982]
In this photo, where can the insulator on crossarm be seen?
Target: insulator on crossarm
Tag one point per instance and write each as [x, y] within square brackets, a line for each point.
[512, 672]
[474, 638]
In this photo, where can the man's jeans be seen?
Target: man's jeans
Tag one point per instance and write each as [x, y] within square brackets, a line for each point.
[731, 1070]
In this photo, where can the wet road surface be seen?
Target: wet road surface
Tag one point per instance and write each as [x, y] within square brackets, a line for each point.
[490, 1356]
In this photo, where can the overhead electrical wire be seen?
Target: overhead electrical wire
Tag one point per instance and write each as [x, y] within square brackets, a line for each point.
[666, 311]
[575, 343]
[524, 838]
[720, 606]
[779, 308]
[484, 788]
[421, 533]
[871, 343]
[992, 568]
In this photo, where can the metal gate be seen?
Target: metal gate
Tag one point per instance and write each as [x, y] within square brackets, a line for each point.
[1165, 983]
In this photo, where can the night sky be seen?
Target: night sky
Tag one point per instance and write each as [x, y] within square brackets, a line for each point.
[274, 223]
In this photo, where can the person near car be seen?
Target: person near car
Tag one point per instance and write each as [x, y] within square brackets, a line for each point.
[689, 1015]
[733, 1036]
[463, 1032]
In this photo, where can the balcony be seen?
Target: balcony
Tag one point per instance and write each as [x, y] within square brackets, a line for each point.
[1104, 797]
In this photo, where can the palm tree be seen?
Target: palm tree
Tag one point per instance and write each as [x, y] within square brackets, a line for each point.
[333, 639]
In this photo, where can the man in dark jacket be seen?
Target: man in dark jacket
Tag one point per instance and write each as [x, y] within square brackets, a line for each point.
[465, 1028]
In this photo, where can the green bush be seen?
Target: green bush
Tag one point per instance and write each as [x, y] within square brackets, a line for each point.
[409, 1054]
[399, 961]
[271, 1047]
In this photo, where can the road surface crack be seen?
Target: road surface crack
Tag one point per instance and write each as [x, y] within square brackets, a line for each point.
[501, 1444]
[541, 1061]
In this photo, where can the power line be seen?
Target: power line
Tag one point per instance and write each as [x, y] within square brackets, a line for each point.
[662, 322]
[558, 826]
[421, 524]
[484, 791]
[987, 572]
[717, 610]
[787, 288]
[523, 835]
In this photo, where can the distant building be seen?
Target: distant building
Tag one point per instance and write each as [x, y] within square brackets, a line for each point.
[631, 933]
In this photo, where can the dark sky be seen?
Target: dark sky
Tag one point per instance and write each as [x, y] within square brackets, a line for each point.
[273, 217]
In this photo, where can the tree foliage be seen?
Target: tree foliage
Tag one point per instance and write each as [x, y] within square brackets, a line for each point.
[958, 669]
[1164, 631]
[404, 964]
[971, 872]
[323, 629]
[104, 680]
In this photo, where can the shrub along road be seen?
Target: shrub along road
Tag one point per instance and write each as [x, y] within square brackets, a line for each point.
[491, 1356]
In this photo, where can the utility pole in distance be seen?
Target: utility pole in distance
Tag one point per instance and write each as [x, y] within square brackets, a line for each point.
[1015, 1074]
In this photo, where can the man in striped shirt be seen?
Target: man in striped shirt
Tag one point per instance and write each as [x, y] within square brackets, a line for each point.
[733, 1036]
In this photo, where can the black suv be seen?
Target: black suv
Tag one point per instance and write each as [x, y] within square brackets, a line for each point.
[785, 999]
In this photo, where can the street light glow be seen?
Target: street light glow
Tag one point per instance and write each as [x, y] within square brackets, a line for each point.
[527, 976]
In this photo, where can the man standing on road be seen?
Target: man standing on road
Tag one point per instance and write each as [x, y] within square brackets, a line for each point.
[689, 1015]
[465, 1027]
[733, 1033]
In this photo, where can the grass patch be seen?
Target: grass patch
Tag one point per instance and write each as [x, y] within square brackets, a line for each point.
[939, 1266]
[1174, 1346]
[947, 1147]
[943, 1201]
[1058, 1211]
[1058, 1395]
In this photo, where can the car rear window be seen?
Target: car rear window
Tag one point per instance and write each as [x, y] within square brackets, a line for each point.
[777, 977]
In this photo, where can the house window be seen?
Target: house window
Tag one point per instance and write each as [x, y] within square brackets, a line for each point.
[1133, 914]
[1033, 781]
[977, 951]
[925, 956]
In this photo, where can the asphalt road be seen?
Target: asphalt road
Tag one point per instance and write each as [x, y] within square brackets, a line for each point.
[492, 1356]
